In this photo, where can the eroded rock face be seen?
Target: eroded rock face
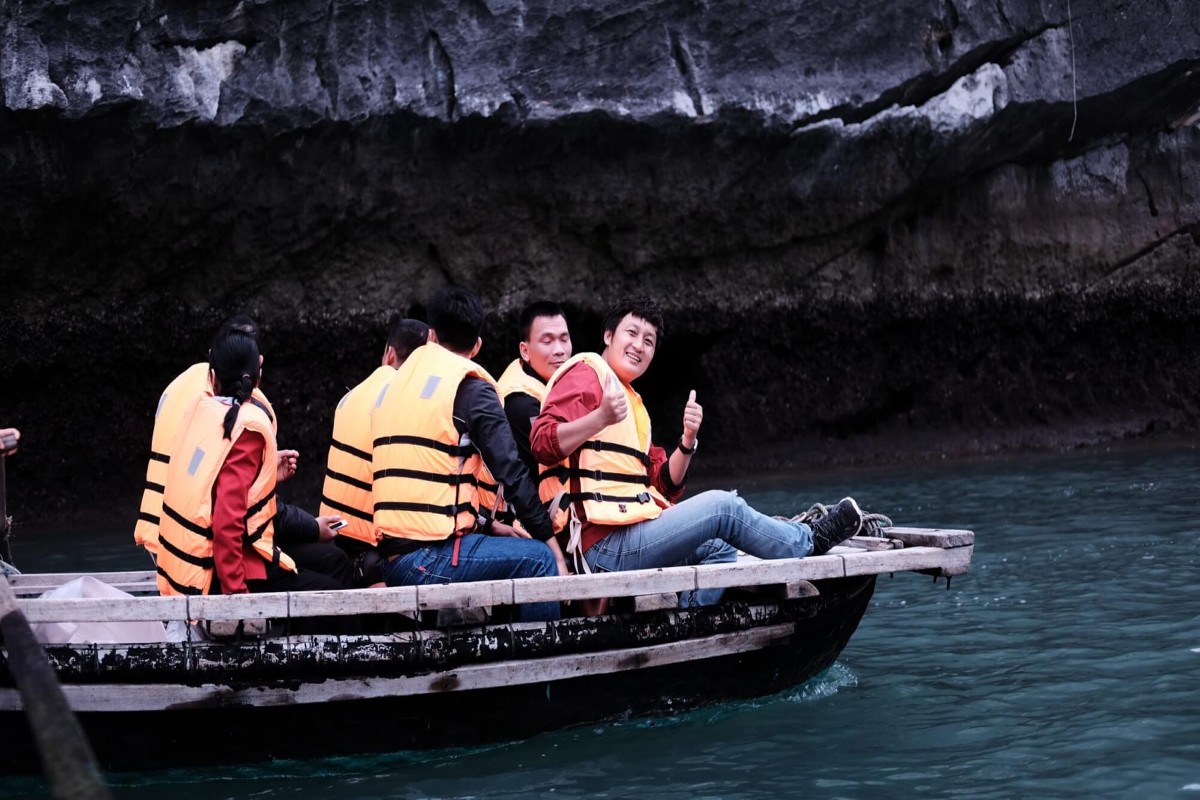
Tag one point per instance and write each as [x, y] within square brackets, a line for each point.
[881, 230]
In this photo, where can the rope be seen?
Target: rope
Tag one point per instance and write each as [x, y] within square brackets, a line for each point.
[872, 523]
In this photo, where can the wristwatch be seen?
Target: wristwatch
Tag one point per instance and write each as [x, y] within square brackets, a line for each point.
[687, 451]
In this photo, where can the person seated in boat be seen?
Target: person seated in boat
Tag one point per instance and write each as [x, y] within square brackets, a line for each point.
[307, 539]
[622, 491]
[545, 345]
[439, 433]
[347, 488]
[10, 438]
[217, 533]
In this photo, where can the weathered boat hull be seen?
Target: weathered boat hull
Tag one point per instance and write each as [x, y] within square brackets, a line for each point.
[184, 704]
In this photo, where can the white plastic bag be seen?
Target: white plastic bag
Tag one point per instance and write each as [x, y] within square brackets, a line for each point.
[95, 632]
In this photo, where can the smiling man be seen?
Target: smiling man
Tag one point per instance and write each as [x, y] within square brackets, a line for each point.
[545, 346]
[620, 489]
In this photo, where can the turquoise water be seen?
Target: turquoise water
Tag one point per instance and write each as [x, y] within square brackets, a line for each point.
[1066, 664]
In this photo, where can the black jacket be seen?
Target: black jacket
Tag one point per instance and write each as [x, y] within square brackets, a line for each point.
[478, 413]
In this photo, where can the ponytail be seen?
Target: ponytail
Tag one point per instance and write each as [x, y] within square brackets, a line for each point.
[240, 392]
[234, 361]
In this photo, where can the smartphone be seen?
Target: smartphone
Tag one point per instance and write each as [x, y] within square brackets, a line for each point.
[337, 526]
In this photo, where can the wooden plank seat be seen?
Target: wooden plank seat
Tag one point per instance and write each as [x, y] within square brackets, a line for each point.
[940, 552]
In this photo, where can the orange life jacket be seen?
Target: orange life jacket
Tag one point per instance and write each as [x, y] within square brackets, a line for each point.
[347, 489]
[612, 468]
[515, 379]
[174, 407]
[185, 557]
[425, 474]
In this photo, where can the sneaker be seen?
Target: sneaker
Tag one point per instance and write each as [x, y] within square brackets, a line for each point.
[843, 521]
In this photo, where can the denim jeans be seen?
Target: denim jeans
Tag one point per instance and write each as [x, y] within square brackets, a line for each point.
[705, 529]
[480, 558]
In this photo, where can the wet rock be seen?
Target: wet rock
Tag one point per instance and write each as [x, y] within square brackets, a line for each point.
[881, 231]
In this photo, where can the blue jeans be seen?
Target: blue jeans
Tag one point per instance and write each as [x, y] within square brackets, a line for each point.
[480, 558]
[708, 528]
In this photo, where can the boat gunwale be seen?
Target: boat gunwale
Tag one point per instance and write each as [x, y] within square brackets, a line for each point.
[952, 557]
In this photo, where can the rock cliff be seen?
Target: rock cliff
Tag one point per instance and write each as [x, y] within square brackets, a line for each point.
[882, 230]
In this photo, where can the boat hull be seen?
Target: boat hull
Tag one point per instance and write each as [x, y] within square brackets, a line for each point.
[468, 690]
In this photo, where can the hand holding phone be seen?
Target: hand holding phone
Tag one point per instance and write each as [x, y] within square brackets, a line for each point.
[328, 526]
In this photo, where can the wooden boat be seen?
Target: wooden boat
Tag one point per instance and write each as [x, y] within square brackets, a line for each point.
[451, 673]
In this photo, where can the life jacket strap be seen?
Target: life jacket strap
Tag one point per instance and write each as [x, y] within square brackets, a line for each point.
[643, 497]
[601, 475]
[596, 444]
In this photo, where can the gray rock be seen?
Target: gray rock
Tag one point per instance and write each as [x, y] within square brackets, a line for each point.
[882, 230]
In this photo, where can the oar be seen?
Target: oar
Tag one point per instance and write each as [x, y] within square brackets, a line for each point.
[67, 757]
[4, 524]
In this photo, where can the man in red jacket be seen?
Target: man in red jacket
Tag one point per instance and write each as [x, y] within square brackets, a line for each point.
[594, 433]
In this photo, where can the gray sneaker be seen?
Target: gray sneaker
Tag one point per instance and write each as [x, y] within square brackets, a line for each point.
[843, 521]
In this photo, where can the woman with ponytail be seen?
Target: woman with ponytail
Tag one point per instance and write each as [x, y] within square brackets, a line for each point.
[219, 506]
[235, 363]
[307, 539]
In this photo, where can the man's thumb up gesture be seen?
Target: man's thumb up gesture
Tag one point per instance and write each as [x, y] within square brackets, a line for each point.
[693, 415]
[614, 405]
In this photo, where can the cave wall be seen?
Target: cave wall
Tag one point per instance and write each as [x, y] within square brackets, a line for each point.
[882, 230]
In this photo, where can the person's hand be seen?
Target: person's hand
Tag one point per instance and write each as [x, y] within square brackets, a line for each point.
[559, 558]
[514, 531]
[9, 439]
[614, 404]
[286, 466]
[324, 532]
[693, 415]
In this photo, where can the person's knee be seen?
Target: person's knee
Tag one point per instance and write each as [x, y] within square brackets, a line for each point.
[721, 501]
[542, 563]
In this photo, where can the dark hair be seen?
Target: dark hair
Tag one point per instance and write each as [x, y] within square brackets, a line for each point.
[407, 335]
[539, 308]
[641, 307]
[456, 316]
[239, 322]
[234, 360]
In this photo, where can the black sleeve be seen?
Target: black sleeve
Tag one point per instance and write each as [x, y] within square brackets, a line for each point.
[521, 409]
[294, 525]
[477, 411]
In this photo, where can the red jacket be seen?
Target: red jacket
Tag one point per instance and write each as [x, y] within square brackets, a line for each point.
[576, 394]
[235, 561]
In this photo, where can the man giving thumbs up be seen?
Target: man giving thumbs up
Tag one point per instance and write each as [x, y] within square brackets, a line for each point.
[593, 438]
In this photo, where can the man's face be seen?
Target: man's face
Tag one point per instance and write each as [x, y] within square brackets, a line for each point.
[549, 345]
[630, 347]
